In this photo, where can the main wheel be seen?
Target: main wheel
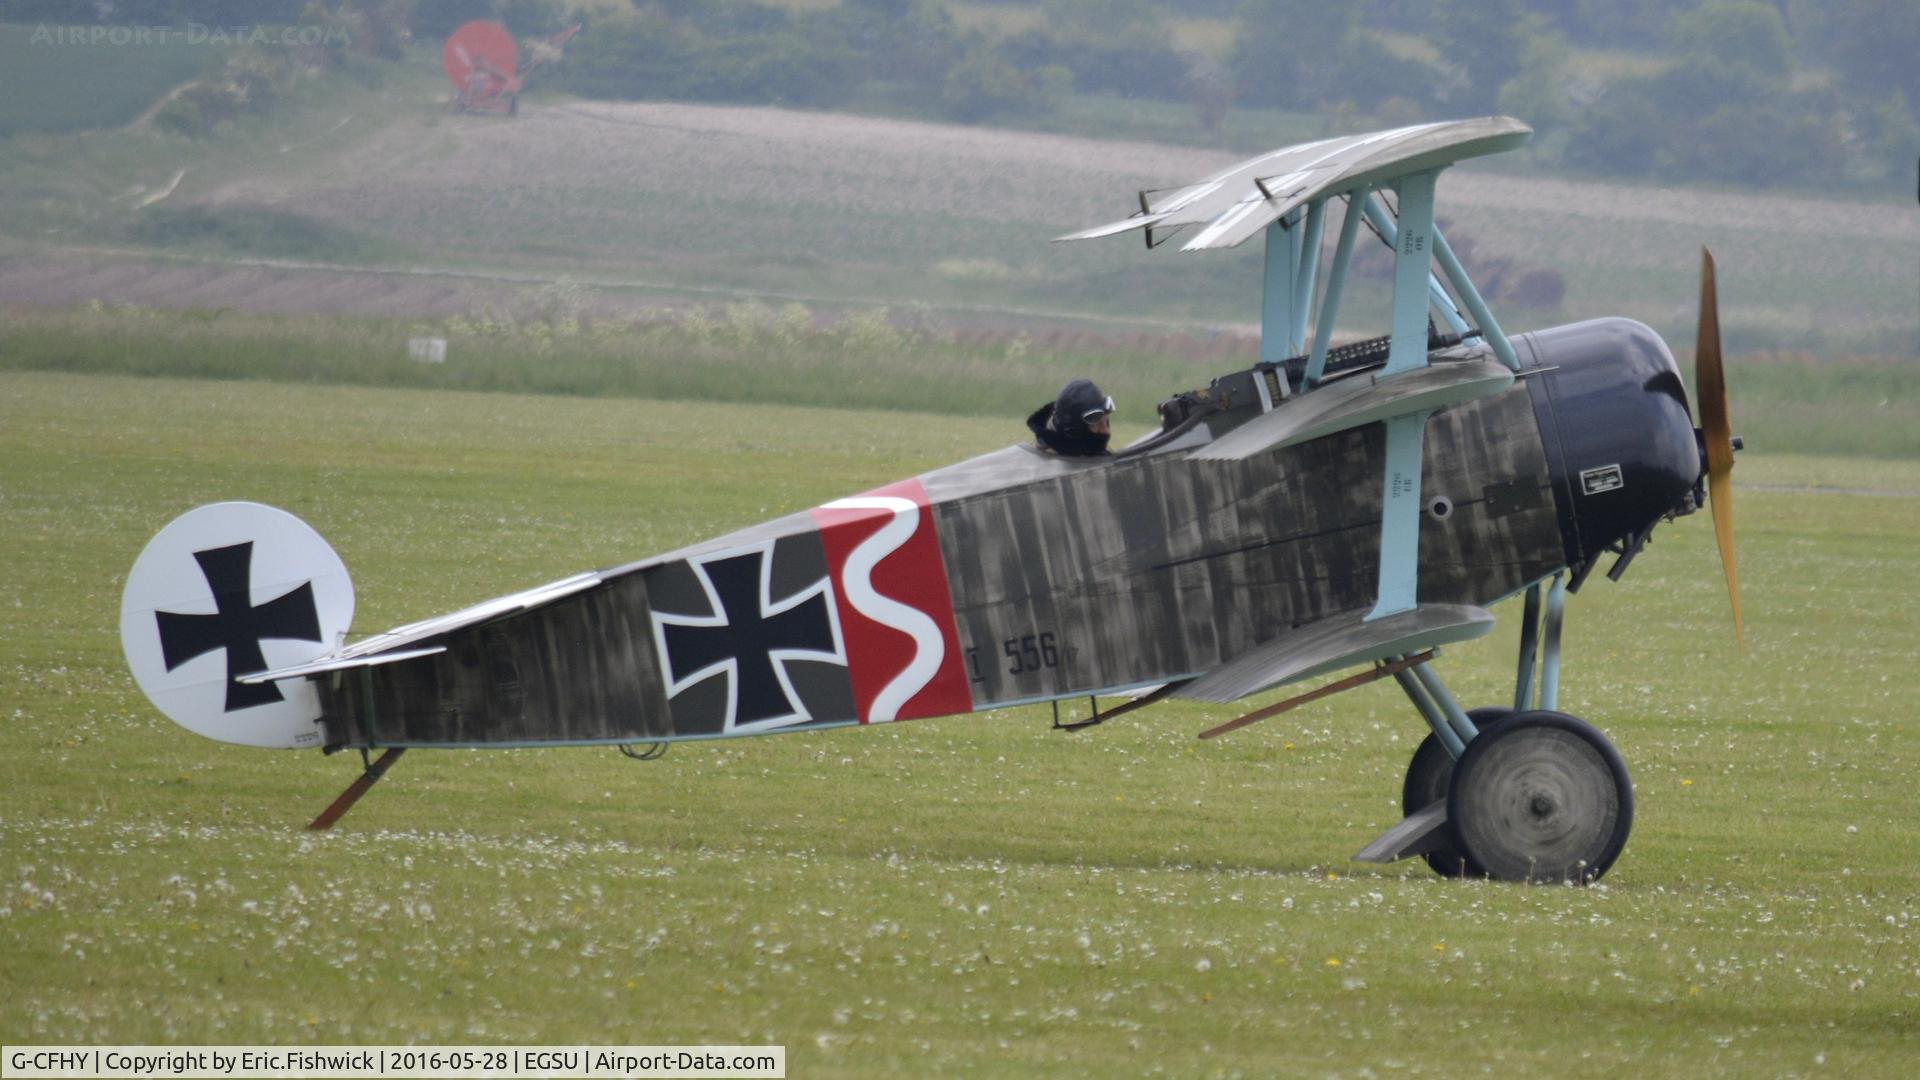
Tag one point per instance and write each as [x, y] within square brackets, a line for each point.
[1429, 776]
[1541, 797]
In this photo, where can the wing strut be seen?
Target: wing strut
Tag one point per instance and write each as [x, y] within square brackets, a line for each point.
[1389, 234]
[1400, 516]
[1470, 296]
[1414, 285]
[1336, 283]
[1280, 288]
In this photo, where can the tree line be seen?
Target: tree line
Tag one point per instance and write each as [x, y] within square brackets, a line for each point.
[1753, 92]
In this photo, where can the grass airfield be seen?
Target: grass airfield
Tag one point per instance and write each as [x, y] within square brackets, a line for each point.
[972, 894]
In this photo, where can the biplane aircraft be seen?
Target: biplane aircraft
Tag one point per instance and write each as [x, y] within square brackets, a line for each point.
[1324, 509]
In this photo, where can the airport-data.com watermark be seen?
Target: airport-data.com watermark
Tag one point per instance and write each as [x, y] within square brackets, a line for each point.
[190, 34]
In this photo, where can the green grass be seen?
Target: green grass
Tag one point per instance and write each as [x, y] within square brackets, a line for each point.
[1803, 404]
[255, 231]
[746, 352]
[865, 359]
[969, 894]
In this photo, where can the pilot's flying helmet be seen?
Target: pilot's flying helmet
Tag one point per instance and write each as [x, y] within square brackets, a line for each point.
[1080, 406]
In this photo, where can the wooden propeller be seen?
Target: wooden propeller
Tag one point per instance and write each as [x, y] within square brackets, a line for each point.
[1716, 424]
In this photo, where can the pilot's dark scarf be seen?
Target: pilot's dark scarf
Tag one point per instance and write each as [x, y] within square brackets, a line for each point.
[1082, 443]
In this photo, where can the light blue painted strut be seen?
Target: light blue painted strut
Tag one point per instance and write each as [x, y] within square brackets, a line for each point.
[1533, 627]
[1436, 720]
[1277, 314]
[1443, 714]
[1336, 283]
[1449, 708]
[1412, 273]
[1550, 662]
[1470, 296]
[1306, 268]
[1406, 435]
[1529, 650]
[1400, 515]
[1390, 233]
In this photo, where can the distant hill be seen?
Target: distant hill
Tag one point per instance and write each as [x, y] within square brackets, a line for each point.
[62, 81]
[689, 199]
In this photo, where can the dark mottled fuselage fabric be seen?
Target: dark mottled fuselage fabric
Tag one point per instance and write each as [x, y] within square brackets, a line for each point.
[1067, 576]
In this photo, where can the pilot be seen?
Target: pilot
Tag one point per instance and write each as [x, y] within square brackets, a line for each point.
[1075, 424]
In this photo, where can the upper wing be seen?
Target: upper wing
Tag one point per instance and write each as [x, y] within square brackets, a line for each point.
[1362, 399]
[1233, 205]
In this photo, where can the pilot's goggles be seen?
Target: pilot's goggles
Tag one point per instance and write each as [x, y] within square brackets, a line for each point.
[1094, 416]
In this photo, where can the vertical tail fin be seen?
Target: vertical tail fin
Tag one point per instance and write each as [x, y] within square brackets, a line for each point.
[227, 590]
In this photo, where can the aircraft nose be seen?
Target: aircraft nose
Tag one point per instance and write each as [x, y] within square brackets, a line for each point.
[1618, 434]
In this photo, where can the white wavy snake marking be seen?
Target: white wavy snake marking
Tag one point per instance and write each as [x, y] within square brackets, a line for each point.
[857, 581]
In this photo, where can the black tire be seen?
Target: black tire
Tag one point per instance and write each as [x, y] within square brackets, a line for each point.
[1541, 797]
[1429, 777]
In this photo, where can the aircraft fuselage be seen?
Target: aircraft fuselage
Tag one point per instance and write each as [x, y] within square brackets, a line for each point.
[1020, 576]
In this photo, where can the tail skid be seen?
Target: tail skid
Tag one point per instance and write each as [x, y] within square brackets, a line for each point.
[361, 785]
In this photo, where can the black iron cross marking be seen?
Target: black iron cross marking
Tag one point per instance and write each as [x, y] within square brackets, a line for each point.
[748, 635]
[237, 626]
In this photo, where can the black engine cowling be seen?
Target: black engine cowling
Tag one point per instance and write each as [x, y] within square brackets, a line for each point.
[1617, 430]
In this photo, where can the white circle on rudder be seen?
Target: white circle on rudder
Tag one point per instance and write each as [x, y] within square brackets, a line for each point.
[286, 555]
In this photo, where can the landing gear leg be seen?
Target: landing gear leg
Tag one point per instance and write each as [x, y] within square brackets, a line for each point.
[1424, 830]
[1520, 794]
[1538, 795]
[1532, 629]
[1429, 778]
